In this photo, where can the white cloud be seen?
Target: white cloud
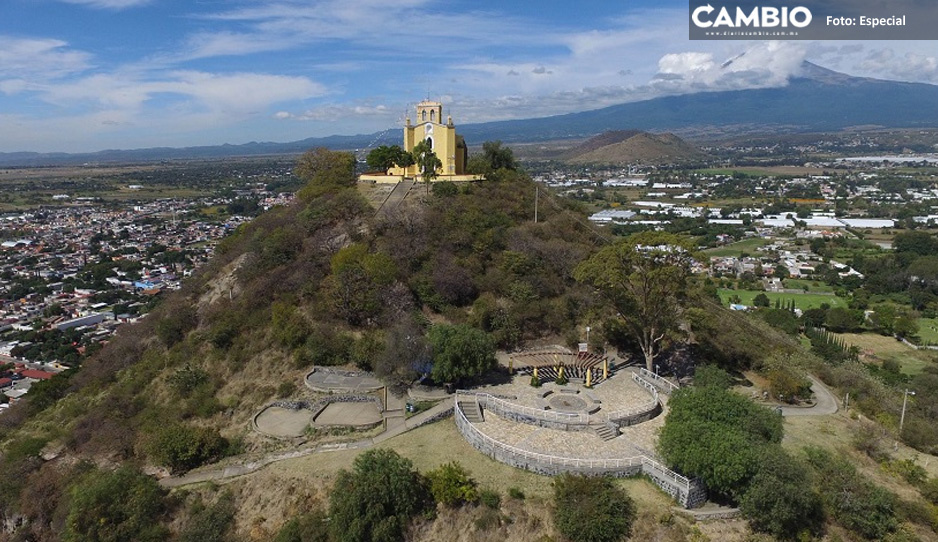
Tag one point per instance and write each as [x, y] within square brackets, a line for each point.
[239, 92]
[768, 64]
[42, 59]
[337, 112]
[910, 66]
[377, 25]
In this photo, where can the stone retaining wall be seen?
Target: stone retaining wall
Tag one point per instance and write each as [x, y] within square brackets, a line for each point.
[340, 372]
[689, 493]
[315, 408]
[319, 405]
[642, 415]
[533, 416]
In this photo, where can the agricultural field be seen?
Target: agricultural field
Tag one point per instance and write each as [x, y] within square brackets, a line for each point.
[928, 330]
[780, 171]
[748, 246]
[875, 347]
[814, 286]
[802, 301]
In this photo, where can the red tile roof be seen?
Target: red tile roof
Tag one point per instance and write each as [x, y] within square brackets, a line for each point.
[37, 375]
[4, 382]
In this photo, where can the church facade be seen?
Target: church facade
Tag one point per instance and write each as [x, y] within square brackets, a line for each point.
[449, 147]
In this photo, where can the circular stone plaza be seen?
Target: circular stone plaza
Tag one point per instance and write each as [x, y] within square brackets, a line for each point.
[602, 421]
[585, 415]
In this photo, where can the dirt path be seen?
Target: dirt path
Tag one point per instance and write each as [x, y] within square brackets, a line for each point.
[395, 426]
[826, 402]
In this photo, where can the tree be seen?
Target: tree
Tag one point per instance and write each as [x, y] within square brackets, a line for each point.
[780, 500]
[460, 352]
[843, 320]
[427, 162]
[357, 282]
[711, 375]
[182, 447]
[309, 527]
[718, 436]
[592, 509]
[324, 171]
[377, 499]
[644, 277]
[761, 300]
[385, 157]
[493, 157]
[114, 507]
[451, 485]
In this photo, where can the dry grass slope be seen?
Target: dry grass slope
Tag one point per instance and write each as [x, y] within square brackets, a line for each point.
[629, 147]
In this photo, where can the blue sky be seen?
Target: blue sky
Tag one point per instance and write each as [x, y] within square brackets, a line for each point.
[85, 75]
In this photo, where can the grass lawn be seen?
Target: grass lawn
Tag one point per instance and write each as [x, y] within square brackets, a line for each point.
[735, 249]
[802, 301]
[928, 330]
[809, 285]
[887, 348]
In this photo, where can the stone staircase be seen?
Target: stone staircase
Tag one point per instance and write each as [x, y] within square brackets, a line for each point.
[604, 431]
[470, 407]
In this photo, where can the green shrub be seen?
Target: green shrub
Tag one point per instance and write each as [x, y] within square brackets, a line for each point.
[451, 485]
[908, 470]
[187, 379]
[516, 493]
[712, 376]
[114, 507]
[182, 447]
[929, 490]
[309, 527]
[176, 322]
[592, 509]
[853, 501]
[210, 523]
[490, 498]
[779, 499]
[377, 499]
[487, 520]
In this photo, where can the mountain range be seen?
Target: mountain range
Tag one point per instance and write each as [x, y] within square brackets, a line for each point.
[818, 100]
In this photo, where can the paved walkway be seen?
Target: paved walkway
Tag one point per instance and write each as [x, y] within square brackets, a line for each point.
[395, 197]
[327, 380]
[395, 426]
[826, 402]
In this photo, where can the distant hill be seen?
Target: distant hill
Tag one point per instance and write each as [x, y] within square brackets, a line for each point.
[819, 100]
[632, 146]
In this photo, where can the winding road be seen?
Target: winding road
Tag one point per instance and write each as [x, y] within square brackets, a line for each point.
[825, 403]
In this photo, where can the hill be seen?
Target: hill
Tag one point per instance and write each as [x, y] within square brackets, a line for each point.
[325, 281]
[817, 100]
[632, 147]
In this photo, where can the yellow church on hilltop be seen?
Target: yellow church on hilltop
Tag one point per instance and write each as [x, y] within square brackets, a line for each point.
[449, 147]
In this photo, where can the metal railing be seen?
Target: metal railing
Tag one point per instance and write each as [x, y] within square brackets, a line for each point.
[659, 379]
[641, 409]
[501, 406]
[646, 463]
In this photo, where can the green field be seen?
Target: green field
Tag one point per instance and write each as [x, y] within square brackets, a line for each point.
[802, 301]
[884, 348]
[809, 285]
[748, 246]
[928, 330]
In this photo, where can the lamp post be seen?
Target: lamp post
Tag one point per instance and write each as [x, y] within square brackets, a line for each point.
[656, 370]
[587, 336]
[905, 398]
